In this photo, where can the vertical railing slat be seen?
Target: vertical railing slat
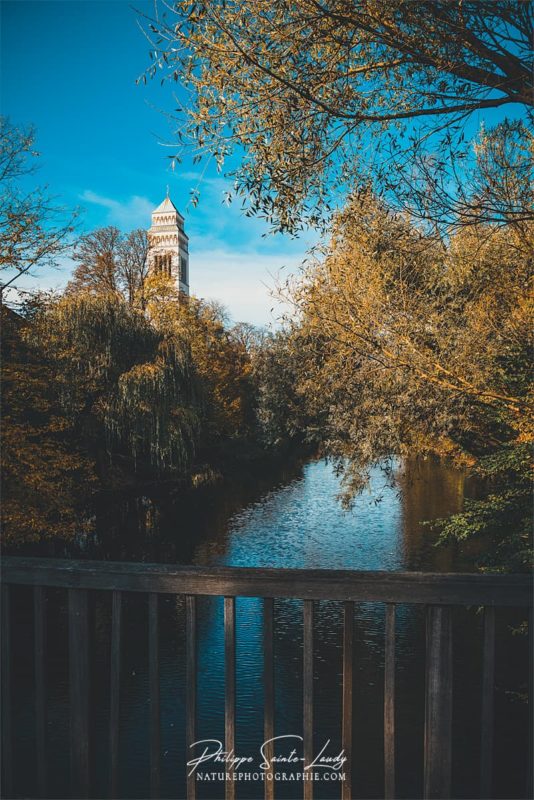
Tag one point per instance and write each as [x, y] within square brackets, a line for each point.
[438, 703]
[229, 689]
[487, 715]
[346, 724]
[79, 691]
[268, 691]
[7, 730]
[39, 637]
[191, 686]
[308, 694]
[389, 704]
[114, 692]
[153, 680]
[529, 789]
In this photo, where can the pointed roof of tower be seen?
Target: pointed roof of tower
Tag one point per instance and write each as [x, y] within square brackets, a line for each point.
[167, 205]
[162, 224]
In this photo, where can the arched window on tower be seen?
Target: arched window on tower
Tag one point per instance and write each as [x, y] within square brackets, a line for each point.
[183, 269]
[163, 264]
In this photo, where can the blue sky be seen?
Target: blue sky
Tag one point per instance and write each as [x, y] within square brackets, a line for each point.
[70, 68]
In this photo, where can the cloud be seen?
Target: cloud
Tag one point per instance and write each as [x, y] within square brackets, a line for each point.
[234, 262]
[134, 213]
[243, 282]
[49, 279]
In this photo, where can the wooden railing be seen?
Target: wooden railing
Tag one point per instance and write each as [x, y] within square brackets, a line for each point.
[438, 592]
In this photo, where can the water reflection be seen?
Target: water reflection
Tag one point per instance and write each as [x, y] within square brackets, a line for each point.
[290, 520]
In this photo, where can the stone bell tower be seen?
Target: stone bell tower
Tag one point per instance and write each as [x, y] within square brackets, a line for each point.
[169, 251]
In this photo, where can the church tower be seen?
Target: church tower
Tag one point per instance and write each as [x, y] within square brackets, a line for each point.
[168, 252]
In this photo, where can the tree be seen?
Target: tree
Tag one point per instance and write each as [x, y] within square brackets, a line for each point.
[113, 263]
[34, 232]
[220, 357]
[282, 408]
[410, 347]
[97, 256]
[161, 299]
[450, 191]
[47, 477]
[93, 396]
[225, 372]
[130, 387]
[133, 266]
[248, 336]
[311, 96]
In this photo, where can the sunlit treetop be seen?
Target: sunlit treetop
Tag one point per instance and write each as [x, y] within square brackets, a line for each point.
[315, 95]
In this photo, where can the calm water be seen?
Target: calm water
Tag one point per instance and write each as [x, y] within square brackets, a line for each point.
[291, 518]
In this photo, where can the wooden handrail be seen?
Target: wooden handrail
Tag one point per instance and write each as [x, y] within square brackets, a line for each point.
[437, 591]
[305, 584]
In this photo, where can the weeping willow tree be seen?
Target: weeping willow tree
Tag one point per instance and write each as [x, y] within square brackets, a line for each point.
[222, 363]
[130, 388]
[47, 478]
[98, 394]
[152, 414]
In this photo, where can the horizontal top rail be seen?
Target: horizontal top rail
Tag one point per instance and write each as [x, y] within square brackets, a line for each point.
[311, 584]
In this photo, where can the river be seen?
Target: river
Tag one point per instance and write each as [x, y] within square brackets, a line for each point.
[288, 517]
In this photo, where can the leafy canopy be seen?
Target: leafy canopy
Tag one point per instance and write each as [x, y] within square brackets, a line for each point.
[313, 95]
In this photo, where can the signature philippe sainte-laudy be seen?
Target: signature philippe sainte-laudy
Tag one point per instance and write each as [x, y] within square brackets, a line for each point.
[285, 754]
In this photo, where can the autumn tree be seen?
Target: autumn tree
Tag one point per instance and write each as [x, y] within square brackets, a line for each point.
[47, 477]
[250, 337]
[113, 263]
[450, 191]
[130, 388]
[220, 357]
[96, 258]
[133, 266]
[416, 348]
[283, 409]
[34, 231]
[312, 97]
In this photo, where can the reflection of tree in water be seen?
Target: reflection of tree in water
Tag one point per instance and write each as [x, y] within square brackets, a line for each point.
[175, 526]
[429, 489]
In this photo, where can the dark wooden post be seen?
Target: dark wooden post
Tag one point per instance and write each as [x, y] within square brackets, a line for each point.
[79, 692]
[153, 679]
[39, 635]
[346, 724]
[229, 690]
[191, 687]
[389, 704]
[268, 692]
[308, 694]
[487, 721]
[438, 705]
[7, 732]
[114, 692]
